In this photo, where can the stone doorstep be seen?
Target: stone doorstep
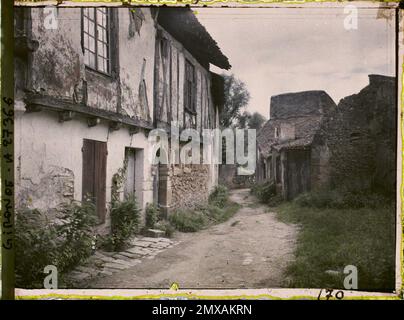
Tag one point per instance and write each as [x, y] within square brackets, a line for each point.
[122, 257]
[116, 266]
[159, 245]
[121, 262]
[155, 233]
[88, 270]
[106, 253]
[106, 272]
[149, 239]
[137, 250]
[143, 244]
[129, 255]
[111, 262]
[106, 259]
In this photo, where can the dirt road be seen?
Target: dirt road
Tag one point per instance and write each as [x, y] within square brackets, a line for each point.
[251, 250]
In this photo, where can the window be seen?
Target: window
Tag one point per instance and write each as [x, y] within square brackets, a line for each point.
[96, 39]
[277, 132]
[190, 87]
[278, 169]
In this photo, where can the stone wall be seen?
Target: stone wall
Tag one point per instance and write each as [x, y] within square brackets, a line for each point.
[361, 138]
[228, 177]
[299, 104]
[190, 185]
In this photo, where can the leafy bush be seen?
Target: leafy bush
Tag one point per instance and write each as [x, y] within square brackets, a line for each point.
[152, 215]
[219, 196]
[40, 243]
[266, 193]
[124, 221]
[188, 220]
[35, 247]
[77, 234]
[165, 226]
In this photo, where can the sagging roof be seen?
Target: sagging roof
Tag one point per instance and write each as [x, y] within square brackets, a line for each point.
[183, 25]
[301, 104]
[301, 132]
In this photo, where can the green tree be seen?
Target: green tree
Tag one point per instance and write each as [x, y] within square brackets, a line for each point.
[250, 121]
[236, 98]
[256, 121]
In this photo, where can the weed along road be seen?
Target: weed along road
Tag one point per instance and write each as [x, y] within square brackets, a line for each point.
[250, 250]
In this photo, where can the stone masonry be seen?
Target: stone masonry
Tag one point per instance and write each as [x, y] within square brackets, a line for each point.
[190, 185]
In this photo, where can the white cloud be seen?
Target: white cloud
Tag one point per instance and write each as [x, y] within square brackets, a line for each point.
[286, 50]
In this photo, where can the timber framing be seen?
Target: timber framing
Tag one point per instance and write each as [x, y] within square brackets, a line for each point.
[38, 102]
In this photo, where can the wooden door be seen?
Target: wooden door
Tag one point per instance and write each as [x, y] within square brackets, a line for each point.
[94, 175]
[130, 155]
[297, 172]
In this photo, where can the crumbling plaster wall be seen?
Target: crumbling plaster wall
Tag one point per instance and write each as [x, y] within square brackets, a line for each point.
[136, 60]
[49, 159]
[58, 70]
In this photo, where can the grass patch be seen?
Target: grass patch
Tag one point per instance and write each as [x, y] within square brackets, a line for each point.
[332, 238]
[218, 209]
[266, 193]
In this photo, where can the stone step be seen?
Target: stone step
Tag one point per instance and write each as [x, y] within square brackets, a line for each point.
[155, 233]
[116, 266]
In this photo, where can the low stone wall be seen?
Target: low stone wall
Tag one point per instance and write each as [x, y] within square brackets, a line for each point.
[228, 177]
[361, 138]
[190, 185]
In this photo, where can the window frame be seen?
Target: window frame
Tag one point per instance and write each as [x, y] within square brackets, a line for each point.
[191, 110]
[108, 28]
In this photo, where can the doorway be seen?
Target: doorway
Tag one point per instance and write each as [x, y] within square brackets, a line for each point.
[94, 175]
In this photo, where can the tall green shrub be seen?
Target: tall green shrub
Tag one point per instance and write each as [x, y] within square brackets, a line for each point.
[39, 243]
[219, 196]
[125, 217]
[152, 215]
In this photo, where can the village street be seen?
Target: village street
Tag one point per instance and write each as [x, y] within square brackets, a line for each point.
[251, 250]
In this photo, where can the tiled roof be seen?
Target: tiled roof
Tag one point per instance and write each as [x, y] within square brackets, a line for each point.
[305, 129]
[183, 25]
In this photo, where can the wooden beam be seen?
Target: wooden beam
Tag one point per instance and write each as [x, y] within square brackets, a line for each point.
[66, 116]
[92, 122]
[134, 130]
[33, 108]
[115, 125]
[34, 101]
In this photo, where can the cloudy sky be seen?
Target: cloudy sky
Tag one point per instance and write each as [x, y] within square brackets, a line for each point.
[277, 50]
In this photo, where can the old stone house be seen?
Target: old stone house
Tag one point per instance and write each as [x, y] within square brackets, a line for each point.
[89, 89]
[289, 152]
[361, 138]
[310, 143]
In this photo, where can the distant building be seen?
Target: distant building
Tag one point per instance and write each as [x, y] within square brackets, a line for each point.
[310, 143]
[289, 153]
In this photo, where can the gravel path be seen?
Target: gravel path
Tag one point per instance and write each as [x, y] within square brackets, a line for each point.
[251, 250]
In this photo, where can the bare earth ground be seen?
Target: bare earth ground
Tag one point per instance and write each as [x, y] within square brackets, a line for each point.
[250, 250]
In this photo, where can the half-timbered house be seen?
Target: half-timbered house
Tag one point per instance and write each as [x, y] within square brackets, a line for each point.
[90, 84]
